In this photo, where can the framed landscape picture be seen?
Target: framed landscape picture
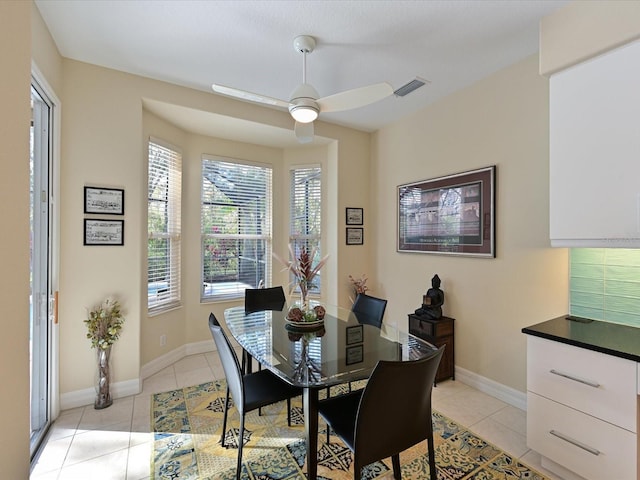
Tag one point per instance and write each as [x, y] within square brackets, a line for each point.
[452, 215]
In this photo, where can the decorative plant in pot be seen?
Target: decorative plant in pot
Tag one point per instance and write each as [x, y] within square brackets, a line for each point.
[304, 272]
[104, 324]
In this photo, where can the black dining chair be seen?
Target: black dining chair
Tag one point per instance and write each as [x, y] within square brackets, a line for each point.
[391, 414]
[258, 300]
[369, 310]
[249, 392]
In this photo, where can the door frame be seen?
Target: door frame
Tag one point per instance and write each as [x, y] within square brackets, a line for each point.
[54, 239]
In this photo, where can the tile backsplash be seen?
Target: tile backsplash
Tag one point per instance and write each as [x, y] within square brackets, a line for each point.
[604, 284]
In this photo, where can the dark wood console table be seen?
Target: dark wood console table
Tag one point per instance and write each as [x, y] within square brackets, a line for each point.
[438, 332]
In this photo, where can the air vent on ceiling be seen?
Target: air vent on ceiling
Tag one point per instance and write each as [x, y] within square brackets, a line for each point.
[407, 88]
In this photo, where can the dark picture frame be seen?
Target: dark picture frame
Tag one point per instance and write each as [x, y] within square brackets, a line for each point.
[107, 201]
[452, 215]
[354, 216]
[354, 354]
[355, 236]
[354, 335]
[98, 231]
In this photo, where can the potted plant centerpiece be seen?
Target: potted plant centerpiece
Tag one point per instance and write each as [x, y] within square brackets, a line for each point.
[104, 324]
[304, 273]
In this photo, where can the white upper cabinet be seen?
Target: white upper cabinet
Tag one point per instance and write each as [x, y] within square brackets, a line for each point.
[594, 136]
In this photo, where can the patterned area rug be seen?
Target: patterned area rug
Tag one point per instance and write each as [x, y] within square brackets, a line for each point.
[188, 422]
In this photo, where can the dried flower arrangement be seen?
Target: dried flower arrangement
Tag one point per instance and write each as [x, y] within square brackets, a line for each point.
[104, 324]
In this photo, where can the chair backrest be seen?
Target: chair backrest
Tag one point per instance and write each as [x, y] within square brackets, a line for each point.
[395, 408]
[369, 310]
[258, 299]
[229, 361]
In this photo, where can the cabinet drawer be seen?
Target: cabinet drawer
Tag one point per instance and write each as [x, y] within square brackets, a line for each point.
[595, 383]
[430, 328]
[420, 328]
[613, 450]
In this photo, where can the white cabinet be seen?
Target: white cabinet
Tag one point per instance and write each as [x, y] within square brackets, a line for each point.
[594, 148]
[582, 409]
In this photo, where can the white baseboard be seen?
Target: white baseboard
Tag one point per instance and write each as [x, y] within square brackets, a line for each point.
[507, 394]
[157, 364]
[87, 396]
[79, 398]
[200, 347]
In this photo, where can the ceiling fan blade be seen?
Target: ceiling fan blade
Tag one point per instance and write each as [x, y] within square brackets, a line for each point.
[252, 97]
[304, 132]
[355, 98]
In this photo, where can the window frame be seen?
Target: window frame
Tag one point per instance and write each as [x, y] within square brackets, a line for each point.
[233, 292]
[310, 240]
[171, 232]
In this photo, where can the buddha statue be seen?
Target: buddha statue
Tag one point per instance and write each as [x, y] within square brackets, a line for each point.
[432, 301]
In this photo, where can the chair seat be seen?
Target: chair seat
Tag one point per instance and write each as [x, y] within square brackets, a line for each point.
[390, 415]
[263, 388]
[340, 413]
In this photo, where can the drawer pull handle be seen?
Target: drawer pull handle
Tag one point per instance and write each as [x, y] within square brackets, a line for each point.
[578, 444]
[575, 379]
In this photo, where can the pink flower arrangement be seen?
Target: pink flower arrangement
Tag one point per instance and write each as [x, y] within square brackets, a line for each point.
[359, 284]
[302, 268]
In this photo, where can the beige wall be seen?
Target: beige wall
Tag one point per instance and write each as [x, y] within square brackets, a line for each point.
[502, 120]
[15, 55]
[583, 29]
[105, 129]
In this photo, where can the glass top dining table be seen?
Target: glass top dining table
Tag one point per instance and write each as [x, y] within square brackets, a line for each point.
[341, 348]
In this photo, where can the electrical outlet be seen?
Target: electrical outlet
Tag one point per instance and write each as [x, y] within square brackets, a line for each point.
[163, 340]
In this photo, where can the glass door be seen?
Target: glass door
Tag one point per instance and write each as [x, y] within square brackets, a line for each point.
[40, 291]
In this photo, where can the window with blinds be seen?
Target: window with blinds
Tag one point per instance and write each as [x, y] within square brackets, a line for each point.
[306, 214]
[164, 236]
[235, 227]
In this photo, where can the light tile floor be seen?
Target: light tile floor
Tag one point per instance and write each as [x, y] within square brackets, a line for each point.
[115, 443]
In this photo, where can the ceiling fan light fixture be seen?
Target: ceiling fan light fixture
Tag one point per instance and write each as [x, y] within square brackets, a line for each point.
[304, 110]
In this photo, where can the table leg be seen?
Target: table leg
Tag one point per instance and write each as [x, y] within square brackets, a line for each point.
[310, 406]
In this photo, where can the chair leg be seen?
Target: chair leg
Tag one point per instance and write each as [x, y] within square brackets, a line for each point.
[328, 434]
[240, 445]
[224, 418]
[433, 474]
[395, 461]
[357, 469]
[289, 411]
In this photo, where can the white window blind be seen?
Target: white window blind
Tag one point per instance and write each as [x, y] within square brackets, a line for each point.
[235, 227]
[164, 236]
[306, 214]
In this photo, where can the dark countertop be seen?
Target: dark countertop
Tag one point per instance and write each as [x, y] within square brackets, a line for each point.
[611, 338]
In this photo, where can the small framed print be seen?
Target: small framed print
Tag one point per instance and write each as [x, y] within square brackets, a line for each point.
[108, 201]
[103, 232]
[354, 334]
[355, 354]
[354, 216]
[355, 236]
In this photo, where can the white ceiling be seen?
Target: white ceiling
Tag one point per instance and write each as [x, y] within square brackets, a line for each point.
[248, 44]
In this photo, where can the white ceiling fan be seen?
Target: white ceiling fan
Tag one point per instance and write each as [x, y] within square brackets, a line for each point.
[305, 104]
